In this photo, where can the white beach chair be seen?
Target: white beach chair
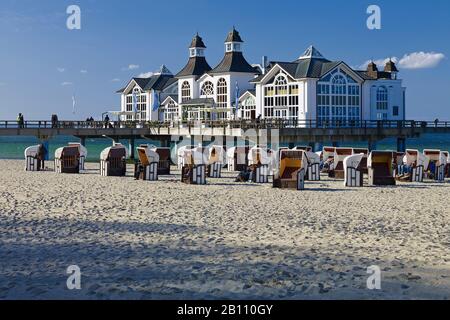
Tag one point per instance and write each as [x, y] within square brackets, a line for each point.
[83, 153]
[353, 173]
[34, 158]
[313, 170]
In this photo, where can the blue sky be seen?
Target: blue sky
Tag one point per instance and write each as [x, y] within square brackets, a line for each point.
[42, 63]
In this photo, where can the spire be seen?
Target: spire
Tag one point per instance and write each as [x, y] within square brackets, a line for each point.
[163, 71]
[311, 53]
[233, 36]
[197, 42]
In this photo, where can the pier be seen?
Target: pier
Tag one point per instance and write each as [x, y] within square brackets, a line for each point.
[282, 131]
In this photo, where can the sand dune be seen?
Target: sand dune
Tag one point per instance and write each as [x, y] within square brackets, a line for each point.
[166, 240]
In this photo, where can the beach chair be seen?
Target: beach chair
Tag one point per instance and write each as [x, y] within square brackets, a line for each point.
[34, 158]
[313, 170]
[164, 160]
[237, 158]
[194, 169]
[439, 159]
[363, 164]
[113, 161]
[147, 168]
[67, 160]
[260, 164]
[181, 157]
[292, 170]
[215, 162]
[418, 161]
[83, 153]
[353, 170]
[379, 164]
[339, 155]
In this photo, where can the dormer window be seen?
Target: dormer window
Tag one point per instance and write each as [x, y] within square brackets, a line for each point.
[233, 47]
[192, 52]
[197, 52]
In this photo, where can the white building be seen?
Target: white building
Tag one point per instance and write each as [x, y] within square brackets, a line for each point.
[311, 88]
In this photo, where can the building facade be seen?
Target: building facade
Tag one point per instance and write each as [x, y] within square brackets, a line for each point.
[309, 89]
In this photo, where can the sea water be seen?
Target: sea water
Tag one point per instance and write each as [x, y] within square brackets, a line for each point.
[14, 147]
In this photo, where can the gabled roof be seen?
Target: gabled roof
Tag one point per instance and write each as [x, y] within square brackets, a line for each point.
[156, 82]
[248, 92]
[197, 42]
[234, 62]
[173, 97]
[196, 66]
[233, 36]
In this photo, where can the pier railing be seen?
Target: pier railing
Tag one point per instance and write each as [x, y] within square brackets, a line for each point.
[230, 124]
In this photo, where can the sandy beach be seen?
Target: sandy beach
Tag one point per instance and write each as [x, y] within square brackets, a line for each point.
[167, 240]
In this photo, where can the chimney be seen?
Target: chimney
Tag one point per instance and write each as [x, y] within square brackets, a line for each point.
[264, 64]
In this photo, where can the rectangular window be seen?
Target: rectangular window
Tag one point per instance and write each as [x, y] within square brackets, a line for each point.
[395, 111]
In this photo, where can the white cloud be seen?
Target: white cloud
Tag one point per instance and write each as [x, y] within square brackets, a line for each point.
[66, 83]
[83, 71]
[131, 67]
[421, 60]
[61, 70]
[415, 60]
[115, 80]
[145, 75]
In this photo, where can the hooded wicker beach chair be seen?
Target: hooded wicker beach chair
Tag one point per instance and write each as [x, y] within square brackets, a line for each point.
[113, 161]
[34, 158]
[194, 169]
[147, 168]
[292, 170]
[164, 160]
[313, 170]
[418, 162]
[339, 155]
[379, 164]
[353, 170]
[237, 158]
[437, 164]
[363, 164]
[67, 160]
[83, 153]
[216, 160]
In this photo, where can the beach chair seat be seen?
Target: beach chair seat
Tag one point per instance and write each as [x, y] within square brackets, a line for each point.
[164, 161]
[353, 171]
[148, 165]
[291, 171]
[151, 172]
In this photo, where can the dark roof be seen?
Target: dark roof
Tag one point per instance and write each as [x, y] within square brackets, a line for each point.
[156, 82]
[199, 101]
[196, 66]
[197, 42]
[173, 96]
[233, 36]
[234, 62]
[304, 68]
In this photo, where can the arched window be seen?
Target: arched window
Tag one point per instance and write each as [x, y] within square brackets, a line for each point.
[338, 99]
[207, 89]
[185, 92]
[222, 97]
[382, 98]
[171, 113]
[281, 99]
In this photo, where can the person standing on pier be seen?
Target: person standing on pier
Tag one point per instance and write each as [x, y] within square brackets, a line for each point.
[20, 121]
[106, 122]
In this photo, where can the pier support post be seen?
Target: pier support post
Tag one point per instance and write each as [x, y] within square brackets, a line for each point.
[401, 144]
[335, 144]
[83, 141]
[131, 147]
[318, 147]
[291, 145]
[235, 141]
[372, 145]
[312, 145]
